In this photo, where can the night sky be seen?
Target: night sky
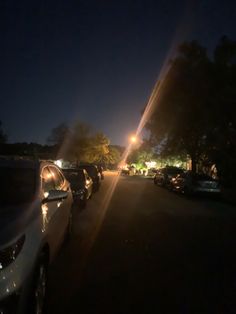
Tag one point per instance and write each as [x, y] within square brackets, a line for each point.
[95, 61]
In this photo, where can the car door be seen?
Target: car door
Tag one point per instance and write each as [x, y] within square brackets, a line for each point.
[50, 211]
[53, 224]
[63, 206]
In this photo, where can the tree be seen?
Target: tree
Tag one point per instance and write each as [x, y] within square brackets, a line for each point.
[60, 138]
[113, 157]
[99, 149]
[196, 112]
[81, 142]
[180, 119]
[59, 134]
[141, 155]
[3, 136]
[221, 139]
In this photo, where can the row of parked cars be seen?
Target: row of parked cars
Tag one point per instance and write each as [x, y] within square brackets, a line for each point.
[36, 213]
[187, 182]
[84, 181]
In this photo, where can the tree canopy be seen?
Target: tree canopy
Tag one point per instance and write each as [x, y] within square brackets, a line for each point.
[195, 113]
[82, 144]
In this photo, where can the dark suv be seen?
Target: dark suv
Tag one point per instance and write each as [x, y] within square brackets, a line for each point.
[81, 185]
[94, 174]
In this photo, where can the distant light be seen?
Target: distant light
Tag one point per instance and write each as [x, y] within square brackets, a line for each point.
[58, 163]
[45, 194]
[133, 139]
[151, 164]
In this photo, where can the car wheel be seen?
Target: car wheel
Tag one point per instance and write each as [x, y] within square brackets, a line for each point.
[38, 294]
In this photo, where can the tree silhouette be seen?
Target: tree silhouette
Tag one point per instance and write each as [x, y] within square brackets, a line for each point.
[180, 118]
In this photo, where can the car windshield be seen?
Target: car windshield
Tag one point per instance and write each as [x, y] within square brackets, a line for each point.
[74, 176]
[92, 171]
[18, 185]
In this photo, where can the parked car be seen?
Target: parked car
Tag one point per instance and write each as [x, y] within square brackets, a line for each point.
[191, 183]
[81, 185]
[152, 172]
[125, 172]
[36, 216]
[164, 176]
[94, 174]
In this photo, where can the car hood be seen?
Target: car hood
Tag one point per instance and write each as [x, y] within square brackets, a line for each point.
[14, 220]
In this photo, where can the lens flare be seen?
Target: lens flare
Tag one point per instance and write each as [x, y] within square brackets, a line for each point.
[181, 33]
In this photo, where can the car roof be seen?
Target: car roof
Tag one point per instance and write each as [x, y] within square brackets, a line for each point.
[87, 165]
[72, 170]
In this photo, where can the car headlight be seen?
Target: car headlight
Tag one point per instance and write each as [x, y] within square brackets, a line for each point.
[10, 253]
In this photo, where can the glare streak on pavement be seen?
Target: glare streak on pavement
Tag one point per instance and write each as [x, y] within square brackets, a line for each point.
[148, 251]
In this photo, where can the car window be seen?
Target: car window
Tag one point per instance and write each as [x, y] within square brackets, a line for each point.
[57, 177]
[74, 175]
[92, 171]
[48, 183]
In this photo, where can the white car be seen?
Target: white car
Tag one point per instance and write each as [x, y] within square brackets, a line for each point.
[35, 217]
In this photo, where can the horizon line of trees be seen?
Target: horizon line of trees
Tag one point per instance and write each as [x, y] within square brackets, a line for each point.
[79, 143]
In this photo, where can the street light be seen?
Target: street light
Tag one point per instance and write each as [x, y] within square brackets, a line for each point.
[133, 139]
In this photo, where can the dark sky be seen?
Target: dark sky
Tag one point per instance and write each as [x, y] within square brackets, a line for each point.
[95, 61]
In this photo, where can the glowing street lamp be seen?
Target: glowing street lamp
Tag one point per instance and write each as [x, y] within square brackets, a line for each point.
[133, 139]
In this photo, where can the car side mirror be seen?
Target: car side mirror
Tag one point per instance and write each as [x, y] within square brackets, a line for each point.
[54, 195]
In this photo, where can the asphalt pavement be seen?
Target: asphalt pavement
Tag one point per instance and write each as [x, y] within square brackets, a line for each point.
[138, 248]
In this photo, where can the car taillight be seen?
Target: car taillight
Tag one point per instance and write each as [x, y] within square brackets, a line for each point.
[10, 253]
